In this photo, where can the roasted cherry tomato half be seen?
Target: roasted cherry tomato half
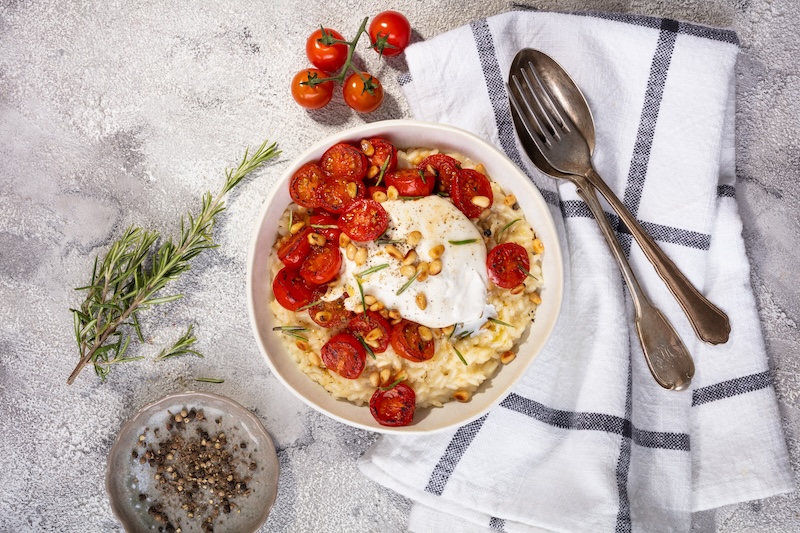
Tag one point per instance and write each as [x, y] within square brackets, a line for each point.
[363, 95]
[408, 344]
[295, 249]
[334, 194]
[304, 184]
[345, 355]
[362, 324]
[394, 406]
[364, 220]
[311, 97]
[383, 151]
[325, 225]
[322, 264]
[467, 185]
[445, 168]
[344, 161]
[330, 314]
[291, 290]
[411, 182]
[372, 189]
[507, 265]
[390, 33]
[327, 57]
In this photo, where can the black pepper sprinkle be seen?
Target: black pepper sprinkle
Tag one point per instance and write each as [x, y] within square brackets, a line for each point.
[197, 473]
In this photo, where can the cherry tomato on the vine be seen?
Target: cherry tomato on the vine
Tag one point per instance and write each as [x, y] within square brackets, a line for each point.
[327, 57]
[390, 33]
[364, 95]
[311, 97]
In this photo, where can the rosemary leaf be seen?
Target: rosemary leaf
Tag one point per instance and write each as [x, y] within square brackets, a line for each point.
[460, 356]
[384, 166]
[465, 241]
[181, 347]
[372, 270]
[366, 346]
[494, 320]
[407, 284]
[134, 269]
[501, 230]
[210, 380]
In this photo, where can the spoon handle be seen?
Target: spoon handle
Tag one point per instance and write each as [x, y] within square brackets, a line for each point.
[708, 321]
[667, 357]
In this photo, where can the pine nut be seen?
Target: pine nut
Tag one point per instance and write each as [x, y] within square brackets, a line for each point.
[323, 316]
[386, 373]
[313, 359]
[391, 192]
[538, 246]
[425, 333]
[367, 148]
[316, 239]
[462, 396]
[377, 306]
[374, 334]
[447, 331]
[297, 226]
[370, 299]
[535, 298]
[423, 268]
[351, 188]
[431, 170]
[480, 168]
[408, 270]
[413, 238]
[402, 375]
[480, 201]
[373, 171]
[379, 196]
[507, 357]
[359, 308]
[437, 251]
[361, 256]
[374, 379]
[372, 343]
[518, 289]
[384, 313]
[344, 240]
[351, 250]
[422, 300]
[395, 321]
[303, 345]
[394, 313]
[484, 214]
[392, 250]
[410, 257]
[510, 200]
[436, 267]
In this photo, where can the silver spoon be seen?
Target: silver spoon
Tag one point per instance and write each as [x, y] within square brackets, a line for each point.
[708, 321]
[667, 357]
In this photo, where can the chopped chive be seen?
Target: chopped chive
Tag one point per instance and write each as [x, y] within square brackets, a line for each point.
[460, 356]
[372, 270]
[384, 166]
[308, 306]
[393, 385]
[507, 226]
[500, 322]
[325, 226]
[366, 346]
[465, 241]
[406, 285]
[210, 380]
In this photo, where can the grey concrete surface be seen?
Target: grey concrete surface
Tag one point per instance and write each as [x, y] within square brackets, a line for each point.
[119, 113]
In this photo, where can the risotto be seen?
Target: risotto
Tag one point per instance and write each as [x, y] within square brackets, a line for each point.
[439, 354]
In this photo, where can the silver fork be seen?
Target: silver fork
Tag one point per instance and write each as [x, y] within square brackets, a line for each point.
[549, 129]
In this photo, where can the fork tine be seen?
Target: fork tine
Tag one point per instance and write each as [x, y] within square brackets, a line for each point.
[537, 133]
[552, 103]
[542, 110]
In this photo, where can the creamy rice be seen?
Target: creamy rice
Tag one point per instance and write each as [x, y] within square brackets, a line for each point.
[437, 380]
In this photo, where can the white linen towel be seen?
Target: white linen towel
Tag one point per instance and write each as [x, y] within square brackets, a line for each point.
[587, 441]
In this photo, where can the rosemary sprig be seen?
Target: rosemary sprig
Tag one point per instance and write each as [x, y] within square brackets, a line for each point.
[465, 241]
[371, 270]
[501, 230]
[366, 346]
[181, 346]
[308, 305]
[494, 320]
[522, 268]
[384, 166]
[407, 284]
[130, 275]
[361, 294]
[460, 356]
[292, 331]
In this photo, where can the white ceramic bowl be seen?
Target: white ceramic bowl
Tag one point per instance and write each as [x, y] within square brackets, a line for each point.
[406, 134]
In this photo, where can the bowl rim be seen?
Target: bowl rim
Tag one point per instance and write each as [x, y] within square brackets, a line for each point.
[385, 127]
[237, 410]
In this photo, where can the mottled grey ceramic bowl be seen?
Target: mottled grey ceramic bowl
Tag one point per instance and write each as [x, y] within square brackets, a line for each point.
[127, 479]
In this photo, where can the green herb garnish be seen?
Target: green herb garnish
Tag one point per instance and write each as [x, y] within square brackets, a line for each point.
[507, 226]
[210, 380]
[181, 347]
[372, 270]
[361, 293]
[393, 385]
[325, 226]
[384, 166]
[422, 176]
[291, 331]
[366, 346]
[308, 306]
[494, 320]
[406, 284]
[460, 356]
[465, 241]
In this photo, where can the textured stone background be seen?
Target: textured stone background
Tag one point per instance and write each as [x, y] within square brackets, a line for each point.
[117, 113]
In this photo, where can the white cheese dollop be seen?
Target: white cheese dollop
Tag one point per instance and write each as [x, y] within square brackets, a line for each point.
[457, 295]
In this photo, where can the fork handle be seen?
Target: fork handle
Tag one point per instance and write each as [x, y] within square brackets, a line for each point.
[668, 359]
[708, 321]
